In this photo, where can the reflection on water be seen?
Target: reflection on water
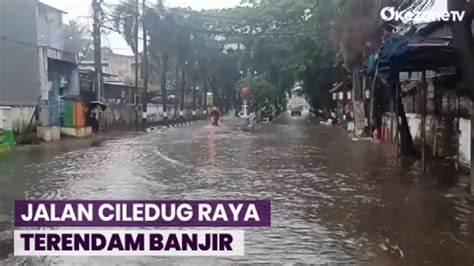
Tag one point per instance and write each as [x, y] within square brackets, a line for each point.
[211, 146]
[334, 200]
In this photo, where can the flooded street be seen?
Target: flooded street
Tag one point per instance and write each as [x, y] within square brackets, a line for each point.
[333, 200]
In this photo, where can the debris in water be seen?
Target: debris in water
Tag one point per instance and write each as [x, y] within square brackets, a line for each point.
[400, 251]
[361, 139]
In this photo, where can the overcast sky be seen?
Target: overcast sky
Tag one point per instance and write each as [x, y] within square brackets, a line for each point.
[82, 9]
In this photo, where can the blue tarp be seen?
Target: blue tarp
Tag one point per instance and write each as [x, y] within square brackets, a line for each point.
[401, 53]
[392, 53]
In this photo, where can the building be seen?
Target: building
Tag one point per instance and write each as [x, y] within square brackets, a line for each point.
[19, 76]
[121, 67]
[114, 92]
[58, 70]
[341, 96]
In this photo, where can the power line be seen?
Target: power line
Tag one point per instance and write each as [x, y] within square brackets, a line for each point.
[200, 14]
[86, 51]
[233, 33]
[210, 31]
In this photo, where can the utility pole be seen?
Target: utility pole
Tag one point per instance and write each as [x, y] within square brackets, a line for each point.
[183, 88]
[206, 84]
[164, 92]
[137, 21]
[196, 65]
[97, 50]
[97, 60]
[176, 97]
[145, 67]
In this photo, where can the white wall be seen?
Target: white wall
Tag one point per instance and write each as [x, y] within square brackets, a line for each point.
[43, 72]
[19, 79]
[155, 112]
[465, 141]
[50, 34]
[414, 121]
[20, 117]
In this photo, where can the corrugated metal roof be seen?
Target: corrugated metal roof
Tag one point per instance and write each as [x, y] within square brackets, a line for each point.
[420, 23]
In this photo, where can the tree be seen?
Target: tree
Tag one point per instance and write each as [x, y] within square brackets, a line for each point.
[123, 19]
[282, 40]
[464, 43]
[357, 34]
[75, 37]
[262, 92]
[464, 46]
[358, 31]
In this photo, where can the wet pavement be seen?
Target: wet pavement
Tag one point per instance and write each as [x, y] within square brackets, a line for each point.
[333, 200]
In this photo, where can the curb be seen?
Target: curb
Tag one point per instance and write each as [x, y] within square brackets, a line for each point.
[177, 125]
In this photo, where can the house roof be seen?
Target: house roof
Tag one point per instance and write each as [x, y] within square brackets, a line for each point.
[92, 71]
[418, 23]
[402, 53]
[119, 84]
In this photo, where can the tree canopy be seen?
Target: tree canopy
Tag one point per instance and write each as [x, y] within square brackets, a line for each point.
[279, 42]
[75, 37]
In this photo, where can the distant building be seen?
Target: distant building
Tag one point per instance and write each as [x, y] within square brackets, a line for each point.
[119, 77]
[114, 92]
[18, 60]
[120, 67]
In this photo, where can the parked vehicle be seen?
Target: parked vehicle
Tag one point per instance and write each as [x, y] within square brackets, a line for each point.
[296, 111]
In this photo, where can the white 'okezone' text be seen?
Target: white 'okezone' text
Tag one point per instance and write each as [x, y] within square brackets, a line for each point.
[405, 16]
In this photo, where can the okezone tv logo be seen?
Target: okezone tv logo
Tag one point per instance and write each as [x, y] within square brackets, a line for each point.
[405, 16]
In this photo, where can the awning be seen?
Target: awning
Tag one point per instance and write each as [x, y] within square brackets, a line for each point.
[404, 54]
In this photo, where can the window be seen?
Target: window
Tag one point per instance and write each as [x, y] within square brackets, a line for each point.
[43, 13]
[55, 17]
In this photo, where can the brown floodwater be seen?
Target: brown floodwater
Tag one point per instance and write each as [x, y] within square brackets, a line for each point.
[333, 200]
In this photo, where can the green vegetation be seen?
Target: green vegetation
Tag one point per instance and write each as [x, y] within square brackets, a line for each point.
[278, 42]
[76, 37]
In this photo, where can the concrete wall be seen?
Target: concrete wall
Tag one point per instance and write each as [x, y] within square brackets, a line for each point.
[121, 66]
[19, 78]
[45, 86]
[414, 121]
[50, 34]
[465, 141]
[155, 112]
[121, 115]
[21, 116]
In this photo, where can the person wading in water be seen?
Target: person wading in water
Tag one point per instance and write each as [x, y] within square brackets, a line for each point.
[214, 116]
